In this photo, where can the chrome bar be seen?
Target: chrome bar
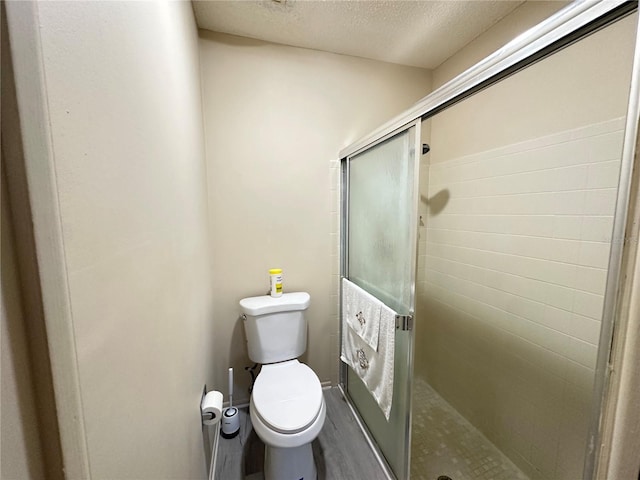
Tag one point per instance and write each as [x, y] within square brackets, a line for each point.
[387, 136]
[415, 231]
[344, 258]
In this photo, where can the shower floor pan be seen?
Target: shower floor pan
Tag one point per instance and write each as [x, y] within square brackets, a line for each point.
[445, 444]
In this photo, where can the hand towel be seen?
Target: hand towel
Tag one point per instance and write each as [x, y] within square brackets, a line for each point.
[362, 311]
[374, 368]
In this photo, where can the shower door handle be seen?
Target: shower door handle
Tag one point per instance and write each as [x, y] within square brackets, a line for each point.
[404, 322]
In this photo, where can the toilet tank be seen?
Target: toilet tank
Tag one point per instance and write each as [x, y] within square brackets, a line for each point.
[276, 328]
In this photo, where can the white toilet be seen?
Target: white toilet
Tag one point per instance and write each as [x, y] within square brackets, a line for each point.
[287, 406]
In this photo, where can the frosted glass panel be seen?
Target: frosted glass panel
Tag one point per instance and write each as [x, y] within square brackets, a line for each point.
[381, 256]
[380, 220]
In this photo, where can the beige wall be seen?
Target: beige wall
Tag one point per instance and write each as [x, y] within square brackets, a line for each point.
[275, 119]
[120, 103]
[20, 449]
[30, 433]
[515, 263]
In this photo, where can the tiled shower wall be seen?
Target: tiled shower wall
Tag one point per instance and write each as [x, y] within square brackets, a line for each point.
[512, 269]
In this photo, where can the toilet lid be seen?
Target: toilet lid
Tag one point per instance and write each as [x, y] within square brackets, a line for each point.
[287, 396]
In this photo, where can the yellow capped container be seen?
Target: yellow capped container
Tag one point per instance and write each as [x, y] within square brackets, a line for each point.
[275, 275]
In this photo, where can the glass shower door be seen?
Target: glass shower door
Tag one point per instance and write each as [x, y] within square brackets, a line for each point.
[381, 230]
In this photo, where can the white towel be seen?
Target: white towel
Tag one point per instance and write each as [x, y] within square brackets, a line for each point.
[362, 311]
[374, 368]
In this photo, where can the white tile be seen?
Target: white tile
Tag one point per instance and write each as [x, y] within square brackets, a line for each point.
[335, 284]
[605, 147]
[335, 201]
[334, 240]
[567, 226]
[588, 305]
[334, 305]
[585, 328]
[334, 178]
[571, 453]
[522, 249]
[592, 280]
[595, 129]
[558, 319]
[594, 254]
[527, 309]
[545, 449]
[600, 202]
[597, 228]
[579, 377]
[562, 155]
[335, 223]
[562, 203]
[604, 174]
[577, 326]
[583, 353]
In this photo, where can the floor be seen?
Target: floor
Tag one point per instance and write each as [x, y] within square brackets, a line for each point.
[445, 444]
[341, 451]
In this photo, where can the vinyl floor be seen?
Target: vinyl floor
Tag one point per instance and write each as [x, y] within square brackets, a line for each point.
[341, 450]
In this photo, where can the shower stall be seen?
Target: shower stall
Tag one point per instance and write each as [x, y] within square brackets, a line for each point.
[491, 216]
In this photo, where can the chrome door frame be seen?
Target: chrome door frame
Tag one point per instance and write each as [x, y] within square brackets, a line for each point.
[344, 273]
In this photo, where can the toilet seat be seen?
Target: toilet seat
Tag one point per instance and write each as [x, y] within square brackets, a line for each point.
[287, 397]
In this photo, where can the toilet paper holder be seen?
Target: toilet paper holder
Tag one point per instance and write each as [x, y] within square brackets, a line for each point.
[206, 416]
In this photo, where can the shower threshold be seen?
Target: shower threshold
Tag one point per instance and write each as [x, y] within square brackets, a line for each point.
[445, 444]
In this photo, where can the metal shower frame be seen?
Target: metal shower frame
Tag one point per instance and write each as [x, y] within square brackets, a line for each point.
[571, 24]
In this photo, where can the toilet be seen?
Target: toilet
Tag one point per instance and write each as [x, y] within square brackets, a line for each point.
[287, 407]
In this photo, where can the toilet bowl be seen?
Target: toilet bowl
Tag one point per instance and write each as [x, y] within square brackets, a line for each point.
[287, 408]
[287, 404]
[287, 412]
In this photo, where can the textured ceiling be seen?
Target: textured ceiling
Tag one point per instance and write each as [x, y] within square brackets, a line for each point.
[419, 33]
